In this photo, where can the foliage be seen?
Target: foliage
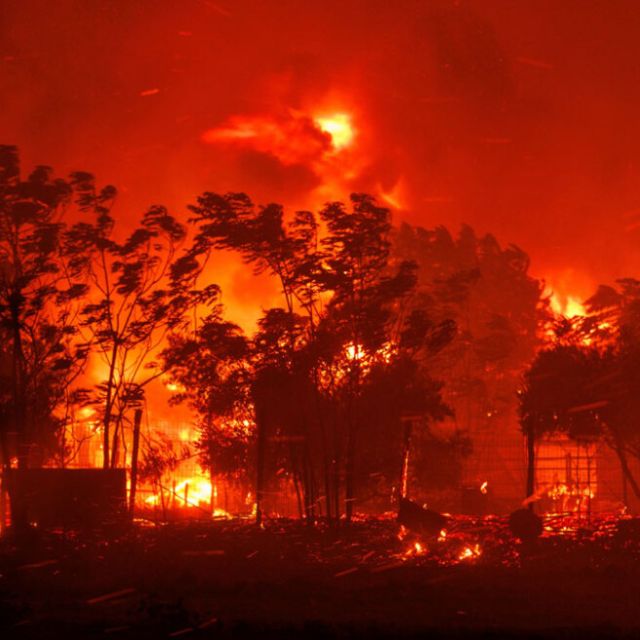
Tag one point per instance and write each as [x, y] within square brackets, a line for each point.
[587, 384]
[210, 369]
[498, 313]
[42, 350]
[138, 292]
[311, 360]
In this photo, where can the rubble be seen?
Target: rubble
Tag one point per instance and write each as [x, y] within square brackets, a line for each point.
[165, 579]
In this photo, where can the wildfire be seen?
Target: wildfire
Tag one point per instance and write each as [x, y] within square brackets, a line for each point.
[417, 549]
[562, 490]
[339, 128]
[569, 307]
[87, 412]
[355, 352]
[484, 487]
[324, 139]
[296, 138]
[192, 493]
[470, 552]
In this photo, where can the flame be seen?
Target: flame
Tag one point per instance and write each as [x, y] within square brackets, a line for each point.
[569, 498]
[569, 306]
[561, 490]
[416, 549]
[484, 487]
[355, 352]
[296, 138]
[324, 138]
[87, 412]
[192, 493]
[470, 552]
[339, 127]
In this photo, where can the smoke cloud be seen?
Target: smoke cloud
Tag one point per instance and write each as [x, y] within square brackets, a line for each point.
[517, 118]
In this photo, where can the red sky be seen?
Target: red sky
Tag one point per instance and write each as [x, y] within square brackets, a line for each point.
[519, 118]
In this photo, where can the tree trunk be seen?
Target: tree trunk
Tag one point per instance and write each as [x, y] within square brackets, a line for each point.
[19, 518]
[108, 407]
[350, 472]
[531, 466]
[260, 463]
[137, 419]
[309, 485]
[114, 445]
[406, 448]
[296, 484]
[4, 465]
[336, 464]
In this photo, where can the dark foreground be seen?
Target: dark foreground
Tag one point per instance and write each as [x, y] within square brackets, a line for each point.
[232, 580]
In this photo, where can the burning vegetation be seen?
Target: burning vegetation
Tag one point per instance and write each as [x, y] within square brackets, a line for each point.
[237, 415]
[396, 362]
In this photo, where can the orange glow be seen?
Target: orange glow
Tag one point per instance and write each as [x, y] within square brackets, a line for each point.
[416, 549]
[470, 553]
[396, 197]
[174, 387]
[295, 139]
[321, 141]
[568, 306]
[339, 127]
[87, 412]
[561, 490]
[192, 493]
[355, 352]
[484, 487]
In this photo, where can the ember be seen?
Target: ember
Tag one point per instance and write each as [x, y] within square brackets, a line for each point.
[470, 552]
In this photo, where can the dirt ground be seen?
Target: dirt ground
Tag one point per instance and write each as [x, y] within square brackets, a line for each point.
[230, 579]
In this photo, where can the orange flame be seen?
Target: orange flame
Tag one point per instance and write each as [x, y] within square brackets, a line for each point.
[470, 552]
[416, 549]
[568, 306]
[339, 127]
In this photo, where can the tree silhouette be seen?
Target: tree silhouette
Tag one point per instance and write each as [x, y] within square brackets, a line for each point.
[138, 292]
[586, 385]
[364, 289]
[559, 395]
[289, 252]
[311, 358]
[210, 366]
[42, 352]
[500, 314]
